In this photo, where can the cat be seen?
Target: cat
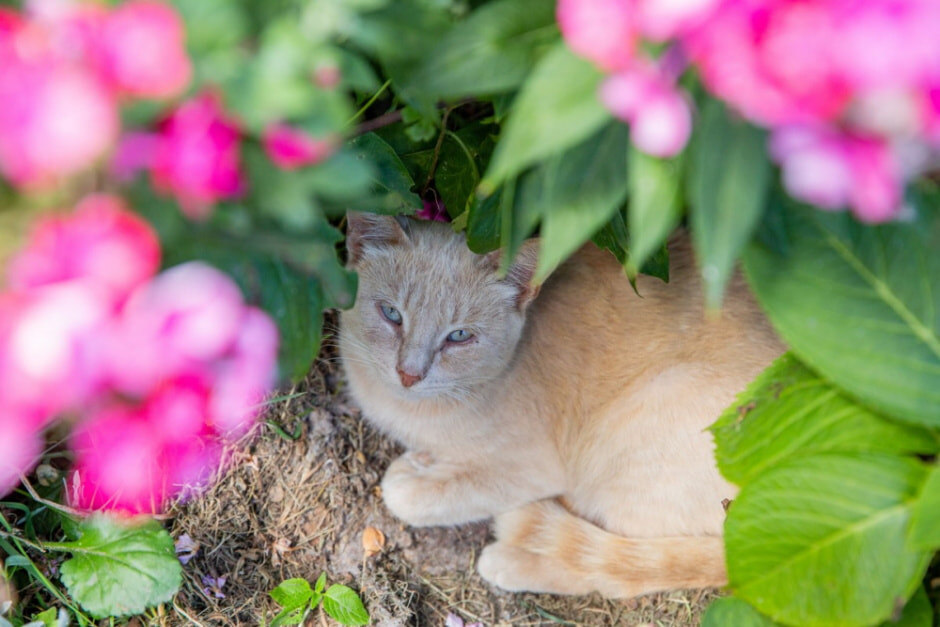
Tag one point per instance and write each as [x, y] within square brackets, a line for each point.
[574, 413]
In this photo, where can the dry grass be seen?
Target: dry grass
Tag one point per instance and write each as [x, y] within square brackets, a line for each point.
[296, 508]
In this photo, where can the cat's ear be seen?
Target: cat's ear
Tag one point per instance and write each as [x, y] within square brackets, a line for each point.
[365, 230]
[521, 271]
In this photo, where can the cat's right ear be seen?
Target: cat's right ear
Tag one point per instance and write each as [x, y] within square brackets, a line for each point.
[369, 230]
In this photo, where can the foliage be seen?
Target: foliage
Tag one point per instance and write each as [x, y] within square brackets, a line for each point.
[298, 599]
[510, 115]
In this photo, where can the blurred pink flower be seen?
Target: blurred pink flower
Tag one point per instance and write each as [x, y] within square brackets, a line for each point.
[433, 210]
[143, 51]
[20, 447]
[664, 19]
[659, 116]
[834, 170]
[290, 148]
[197, 157]
[603, 31]
[134, 153]
[48, 349]
[179, 322]
[245, 376]
[101, 242]
[55, 119]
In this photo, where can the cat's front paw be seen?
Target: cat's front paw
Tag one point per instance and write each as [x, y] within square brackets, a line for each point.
[410, 493]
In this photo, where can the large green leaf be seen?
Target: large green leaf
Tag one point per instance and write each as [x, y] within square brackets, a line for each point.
[557, 108]
[392, 183]
[789, 411]
[820, 540]
[859, 304]
[491, 51]
[576, 193]
[925, 521]
[728, 179]
[117, 570]
[733, 612]
[655, 203]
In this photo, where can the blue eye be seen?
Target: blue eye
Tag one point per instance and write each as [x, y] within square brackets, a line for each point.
[458, 336]
[391, 314]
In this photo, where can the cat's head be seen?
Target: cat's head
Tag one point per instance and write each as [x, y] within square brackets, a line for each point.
[432, 319]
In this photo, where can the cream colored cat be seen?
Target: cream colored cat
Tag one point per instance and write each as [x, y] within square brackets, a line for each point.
[576, 417]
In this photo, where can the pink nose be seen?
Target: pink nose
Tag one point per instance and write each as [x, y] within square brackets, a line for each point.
[408, 379]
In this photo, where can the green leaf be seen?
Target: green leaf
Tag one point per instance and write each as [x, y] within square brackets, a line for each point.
[490, 52]
[116, 570]
[655, 205]
[820, 540]
[292, 593]
[576, 194]
[925, 520]
[557, 108]
[46, 618]
[344, 605]
[733, 612]
[464, 154]
[728, 180]
[483, 223]
[859, 304]
[917, 612]
[392, 182]
[789, 411]
[613, 236]
[320, 584]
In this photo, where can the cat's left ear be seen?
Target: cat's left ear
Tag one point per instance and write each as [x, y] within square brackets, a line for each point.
[368, 229]
[521, 271]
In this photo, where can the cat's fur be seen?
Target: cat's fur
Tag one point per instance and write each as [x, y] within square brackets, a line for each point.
[577, 418]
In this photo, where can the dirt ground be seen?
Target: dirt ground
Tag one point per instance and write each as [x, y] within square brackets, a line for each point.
[298, 507]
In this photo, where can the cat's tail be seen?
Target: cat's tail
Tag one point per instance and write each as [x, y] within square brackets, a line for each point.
[543, 547]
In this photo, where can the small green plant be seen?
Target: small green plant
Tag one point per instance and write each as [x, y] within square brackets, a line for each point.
[298, 600]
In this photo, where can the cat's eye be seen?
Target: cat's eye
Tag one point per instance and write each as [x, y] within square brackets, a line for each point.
[391, 314]
[458, 336]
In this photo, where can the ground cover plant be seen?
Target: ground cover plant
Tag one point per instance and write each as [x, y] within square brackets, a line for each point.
[173, 182]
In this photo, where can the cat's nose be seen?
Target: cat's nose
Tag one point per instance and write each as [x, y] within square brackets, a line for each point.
[408, 379]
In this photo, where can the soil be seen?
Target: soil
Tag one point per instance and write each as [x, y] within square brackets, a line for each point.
[297, 507]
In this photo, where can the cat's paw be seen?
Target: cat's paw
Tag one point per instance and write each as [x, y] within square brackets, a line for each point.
[517, 570]
[411, 494]
[499, 564]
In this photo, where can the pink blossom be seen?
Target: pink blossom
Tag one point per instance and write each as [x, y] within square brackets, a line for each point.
[143, 51]
[663, 19]
[603, 31]
[49, 358]
[659, 116]
[55, 120]
[20, 446]
[833, 170]
[433, 210]
[181, 321]
[290, 148]
[135, 153]
[197, 157]
[246, 376]
[100, 242]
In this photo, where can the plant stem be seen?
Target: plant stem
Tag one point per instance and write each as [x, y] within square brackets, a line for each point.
[369, 102]
[437, 150]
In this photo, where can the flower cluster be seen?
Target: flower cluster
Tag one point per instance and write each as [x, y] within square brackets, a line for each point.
[156, 370]
[850, 90]
[69, 65]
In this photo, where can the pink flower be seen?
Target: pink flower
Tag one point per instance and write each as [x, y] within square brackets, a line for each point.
[433, 210]
[55, 120]
[663, 19]
[603, 31]
[833, 170]
[197, 157]
[20, 446]
[101, 242]
[180, 322]
[143, 51]
[246, 376]
[291, 148]
[659, 116]
[135, 152]
[49, 360]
